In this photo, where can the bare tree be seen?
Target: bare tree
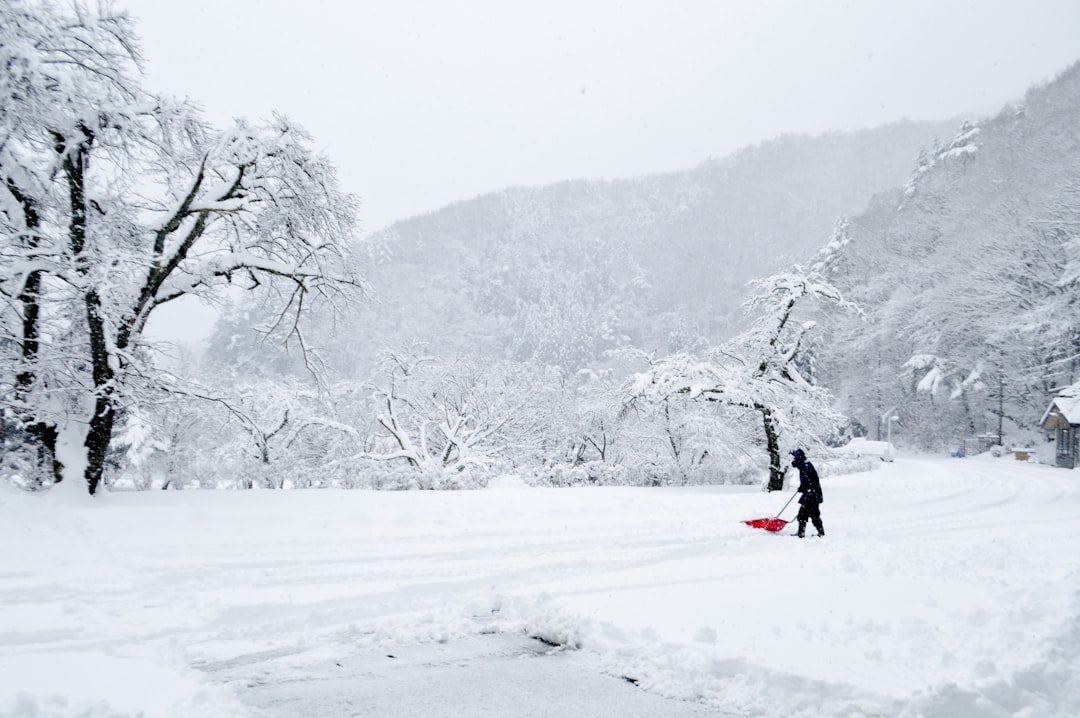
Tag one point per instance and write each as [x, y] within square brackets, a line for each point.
[441, 418]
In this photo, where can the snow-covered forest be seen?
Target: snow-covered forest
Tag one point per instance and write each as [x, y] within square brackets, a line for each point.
[968, 275]
[512, 332]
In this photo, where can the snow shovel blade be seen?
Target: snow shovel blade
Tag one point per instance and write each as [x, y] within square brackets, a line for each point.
[770, 524]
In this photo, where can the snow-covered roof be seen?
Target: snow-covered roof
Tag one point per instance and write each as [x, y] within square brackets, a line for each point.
[1067, 404]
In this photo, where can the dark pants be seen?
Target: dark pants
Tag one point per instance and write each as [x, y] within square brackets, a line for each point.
[810, 511]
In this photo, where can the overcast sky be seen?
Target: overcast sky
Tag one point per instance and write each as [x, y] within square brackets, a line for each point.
[423, 103]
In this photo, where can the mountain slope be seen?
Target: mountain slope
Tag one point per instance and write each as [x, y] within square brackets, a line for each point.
[968, 277]
[562, 272]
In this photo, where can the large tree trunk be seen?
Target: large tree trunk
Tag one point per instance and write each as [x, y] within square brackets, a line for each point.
[99, 435]
[776, 470]
[40, 436]
[76, 157]
[97, 441]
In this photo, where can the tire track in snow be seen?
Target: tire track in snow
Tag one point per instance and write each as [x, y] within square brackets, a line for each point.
[985, 502]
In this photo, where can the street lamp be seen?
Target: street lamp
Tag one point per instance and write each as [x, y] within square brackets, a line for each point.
[888, 418]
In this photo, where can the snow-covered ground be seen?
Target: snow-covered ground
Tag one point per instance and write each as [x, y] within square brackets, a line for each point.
[945, 587]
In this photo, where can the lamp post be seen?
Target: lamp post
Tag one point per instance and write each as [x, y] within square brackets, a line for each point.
[886, 419]
[892, 418]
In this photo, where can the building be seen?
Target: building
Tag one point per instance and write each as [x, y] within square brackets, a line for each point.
[1063, 418]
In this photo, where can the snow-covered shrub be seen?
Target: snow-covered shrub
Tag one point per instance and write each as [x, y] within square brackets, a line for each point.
[403, 477]
[595, 473]
[20, 467]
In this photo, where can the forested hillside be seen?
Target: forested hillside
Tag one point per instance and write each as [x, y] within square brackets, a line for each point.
[485, 347]
[968, 275]
[558, 274]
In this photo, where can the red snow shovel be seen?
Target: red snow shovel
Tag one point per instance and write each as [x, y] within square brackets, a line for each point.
[772, 523]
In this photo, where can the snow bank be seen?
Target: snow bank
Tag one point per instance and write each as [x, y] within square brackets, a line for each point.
[862, 447]
[95, 684]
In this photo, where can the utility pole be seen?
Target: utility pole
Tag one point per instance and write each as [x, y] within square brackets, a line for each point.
[1001, 410]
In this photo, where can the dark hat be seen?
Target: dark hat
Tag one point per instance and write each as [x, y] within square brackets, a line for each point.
[798, 454]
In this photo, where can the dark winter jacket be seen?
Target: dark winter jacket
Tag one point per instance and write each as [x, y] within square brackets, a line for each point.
[809, 484]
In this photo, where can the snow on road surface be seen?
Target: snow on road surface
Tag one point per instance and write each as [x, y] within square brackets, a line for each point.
[945, 587]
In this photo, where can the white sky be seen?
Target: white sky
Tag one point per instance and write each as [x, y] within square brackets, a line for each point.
[423, 103]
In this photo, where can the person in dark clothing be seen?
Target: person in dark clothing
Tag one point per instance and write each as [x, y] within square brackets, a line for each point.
[810, 488]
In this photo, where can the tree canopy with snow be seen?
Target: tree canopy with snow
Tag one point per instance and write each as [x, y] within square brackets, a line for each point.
[115, 201]
[759, 370]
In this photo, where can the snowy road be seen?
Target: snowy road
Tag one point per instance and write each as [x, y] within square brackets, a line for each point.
[944, 588]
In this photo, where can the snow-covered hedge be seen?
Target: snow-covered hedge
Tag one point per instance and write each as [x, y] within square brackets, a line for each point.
[596, 473]
[400, 476]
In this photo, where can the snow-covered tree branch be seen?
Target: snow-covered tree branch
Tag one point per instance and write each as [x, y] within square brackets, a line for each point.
[440, 418]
